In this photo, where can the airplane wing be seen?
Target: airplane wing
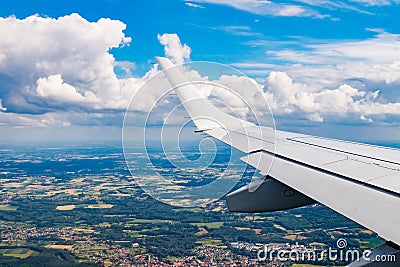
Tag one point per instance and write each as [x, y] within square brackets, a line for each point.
[359, 181]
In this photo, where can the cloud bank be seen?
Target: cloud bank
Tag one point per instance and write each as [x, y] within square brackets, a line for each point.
[61, 72]
[356, 80]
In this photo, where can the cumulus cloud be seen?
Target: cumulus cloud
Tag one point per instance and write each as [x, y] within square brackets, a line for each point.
[53, 69]
[62, 66]
[174, 49]
[54, 88]
[355, 79]
[289, 97]
[48, 61]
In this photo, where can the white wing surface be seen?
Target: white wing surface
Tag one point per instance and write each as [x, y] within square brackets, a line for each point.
[359, 181]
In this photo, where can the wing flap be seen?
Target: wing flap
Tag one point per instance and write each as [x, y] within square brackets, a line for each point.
[359, 170]
[340, 161]
[390, 182]
[383, 154]
[372, 208]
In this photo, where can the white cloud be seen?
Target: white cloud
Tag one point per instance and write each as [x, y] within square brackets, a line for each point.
[57, 72]
[376, 2]
[54, 88]
[315, 103]
[335, 4]
[288, 98]
[266, 7]
[369, 69]
[291, 11]
[363, 118]
[315, 117]
[238, 30]
[61, 68]
[125, 66]
[250, 65]
[1, 106]
[31, 120]
[331, 96]
[174, 49]
[382, 48]
[190, 4]
[39, 51]
[63, 65]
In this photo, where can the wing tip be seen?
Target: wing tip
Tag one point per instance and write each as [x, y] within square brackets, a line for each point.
[164, 62]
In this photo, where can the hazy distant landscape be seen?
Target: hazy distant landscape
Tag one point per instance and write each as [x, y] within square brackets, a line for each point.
[79, 205]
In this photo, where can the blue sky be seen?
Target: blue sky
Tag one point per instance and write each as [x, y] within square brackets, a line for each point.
[327, 66]
[210, 30]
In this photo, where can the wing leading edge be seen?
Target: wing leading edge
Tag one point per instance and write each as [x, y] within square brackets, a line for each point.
[359, 181]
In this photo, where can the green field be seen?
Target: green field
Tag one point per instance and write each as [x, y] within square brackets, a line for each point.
[211, 225]
[7, 207]
[148, 221]
[210, 242]
[21, 253]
